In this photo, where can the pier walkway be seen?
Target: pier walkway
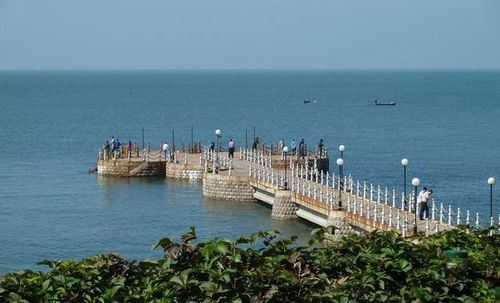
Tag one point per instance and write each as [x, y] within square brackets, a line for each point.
[293, 187]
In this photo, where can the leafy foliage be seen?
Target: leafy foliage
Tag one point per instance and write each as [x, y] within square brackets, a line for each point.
[376, 267]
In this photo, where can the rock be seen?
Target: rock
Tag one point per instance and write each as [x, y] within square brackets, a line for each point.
[92, 170]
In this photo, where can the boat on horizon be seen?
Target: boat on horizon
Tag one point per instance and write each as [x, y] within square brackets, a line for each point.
[306, 101]
[384, 103]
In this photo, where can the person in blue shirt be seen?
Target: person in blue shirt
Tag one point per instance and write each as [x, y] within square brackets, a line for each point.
[293, 146]
[255, 143]
[116, 146]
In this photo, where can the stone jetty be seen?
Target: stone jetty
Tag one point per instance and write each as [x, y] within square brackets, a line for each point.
[294, 187]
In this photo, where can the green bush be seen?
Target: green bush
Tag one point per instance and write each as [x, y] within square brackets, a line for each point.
[376, 267]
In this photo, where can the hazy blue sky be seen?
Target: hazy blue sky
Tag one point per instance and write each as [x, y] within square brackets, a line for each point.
[255, 34]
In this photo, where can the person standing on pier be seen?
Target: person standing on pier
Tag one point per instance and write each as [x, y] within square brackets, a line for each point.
[302, 149]
[281, 144]
[112, 144]
[293, 146]
[230, 148]
[424, 205]
[116, 146]
[165, 149]
[255, 143]
[320, 148]
[106, 147]
[129, 149]
[421, 200]
[212, 147]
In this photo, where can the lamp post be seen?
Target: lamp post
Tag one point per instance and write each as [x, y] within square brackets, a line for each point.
[341, 148]
[340, 163]
[404, 162]
[415, 182]
[192, 140]
[173, 140]
[491, 181]
[143, 138]
[218, 134]
[246, 138]
[285, 151]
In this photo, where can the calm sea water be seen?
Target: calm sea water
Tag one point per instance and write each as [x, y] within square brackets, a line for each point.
[52, 124]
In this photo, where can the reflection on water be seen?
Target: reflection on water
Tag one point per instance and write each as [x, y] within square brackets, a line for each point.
[252, 217]
[169, 207]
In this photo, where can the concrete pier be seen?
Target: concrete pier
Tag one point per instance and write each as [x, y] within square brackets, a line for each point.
[283, 207]
[130, 168]
[227, 187]
[294, 187]
[183, 171]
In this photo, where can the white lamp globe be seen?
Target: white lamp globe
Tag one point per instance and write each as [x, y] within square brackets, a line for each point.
[491, 180]
[285, 149]
[218, 132]
[404, 162]
[342, 147]
[415, 182]
[340, 161]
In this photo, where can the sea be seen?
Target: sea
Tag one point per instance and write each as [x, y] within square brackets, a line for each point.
[52, 124]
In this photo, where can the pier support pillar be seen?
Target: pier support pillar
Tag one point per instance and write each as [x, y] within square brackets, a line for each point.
[283, 207]
[338, 219]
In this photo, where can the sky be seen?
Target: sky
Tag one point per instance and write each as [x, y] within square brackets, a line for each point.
[256, 34]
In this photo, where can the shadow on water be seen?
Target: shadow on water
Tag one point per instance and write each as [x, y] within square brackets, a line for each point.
[255, 216]
[300, 220]
[108, 180]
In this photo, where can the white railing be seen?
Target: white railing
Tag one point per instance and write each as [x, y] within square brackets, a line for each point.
[378, 205]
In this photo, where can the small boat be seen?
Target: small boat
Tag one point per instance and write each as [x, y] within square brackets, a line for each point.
[384, 103]
[307, 101]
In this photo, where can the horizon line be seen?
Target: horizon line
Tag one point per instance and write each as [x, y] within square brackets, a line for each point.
[240, 69]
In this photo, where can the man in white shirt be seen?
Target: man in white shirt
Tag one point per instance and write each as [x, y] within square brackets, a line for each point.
[230, 148]
[165, 149]
[424, 206]
[420, 198]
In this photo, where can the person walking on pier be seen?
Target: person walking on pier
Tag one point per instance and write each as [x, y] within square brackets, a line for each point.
[320, 148]
[293, 146]
[230, 148]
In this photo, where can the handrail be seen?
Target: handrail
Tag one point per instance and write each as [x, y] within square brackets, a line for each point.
[362, 200]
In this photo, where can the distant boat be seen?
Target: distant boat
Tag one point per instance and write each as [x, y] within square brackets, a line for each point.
[306, 101]
[384, 103]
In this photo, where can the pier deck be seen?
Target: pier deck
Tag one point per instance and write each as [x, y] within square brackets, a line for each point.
[296, 187]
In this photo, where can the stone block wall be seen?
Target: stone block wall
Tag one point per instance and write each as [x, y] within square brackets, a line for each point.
[124, 168]
[183, 171]
[224, 187]
[283, 208]
[338, 219]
